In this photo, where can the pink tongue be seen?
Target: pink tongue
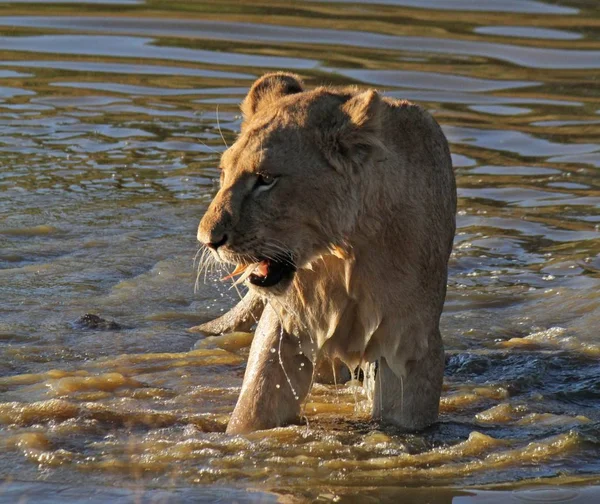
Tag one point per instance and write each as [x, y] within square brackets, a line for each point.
[262, 269]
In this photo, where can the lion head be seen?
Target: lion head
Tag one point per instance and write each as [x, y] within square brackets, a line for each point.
[288, 189]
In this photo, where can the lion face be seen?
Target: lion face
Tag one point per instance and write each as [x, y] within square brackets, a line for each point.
[288, 192]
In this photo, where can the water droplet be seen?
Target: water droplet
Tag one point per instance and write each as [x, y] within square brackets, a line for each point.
[278, 386]
[272, 350]
[302, 364]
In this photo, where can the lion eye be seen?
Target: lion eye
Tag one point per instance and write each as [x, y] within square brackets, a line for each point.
[264, 181]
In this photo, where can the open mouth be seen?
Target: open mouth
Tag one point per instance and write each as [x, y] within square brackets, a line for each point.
[265, 273]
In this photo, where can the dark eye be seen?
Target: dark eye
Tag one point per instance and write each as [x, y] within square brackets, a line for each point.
[264, 181]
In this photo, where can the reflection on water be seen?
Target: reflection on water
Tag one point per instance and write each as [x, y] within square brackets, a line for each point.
[111, 116]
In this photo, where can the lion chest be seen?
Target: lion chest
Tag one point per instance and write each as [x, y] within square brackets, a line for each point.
[325, 314]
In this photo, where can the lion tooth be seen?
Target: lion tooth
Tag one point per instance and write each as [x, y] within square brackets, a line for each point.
[249, 269]
[239, 268]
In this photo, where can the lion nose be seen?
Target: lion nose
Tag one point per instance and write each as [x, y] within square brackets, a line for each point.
[210, 235]
[216, 243]
[215, 227]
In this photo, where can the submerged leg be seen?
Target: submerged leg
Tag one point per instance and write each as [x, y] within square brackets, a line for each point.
[240, 318]
[412, 401]
[277, 379]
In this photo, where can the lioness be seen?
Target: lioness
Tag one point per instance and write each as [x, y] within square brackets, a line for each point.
[338, 206]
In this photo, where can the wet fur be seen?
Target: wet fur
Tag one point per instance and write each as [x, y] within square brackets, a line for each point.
[365, 204]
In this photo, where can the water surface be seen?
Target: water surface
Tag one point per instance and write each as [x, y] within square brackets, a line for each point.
[111, 115]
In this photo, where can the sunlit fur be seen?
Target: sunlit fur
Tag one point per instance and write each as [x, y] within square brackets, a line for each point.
[365, 206]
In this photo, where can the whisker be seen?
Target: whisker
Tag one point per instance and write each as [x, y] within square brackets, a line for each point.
[212, 264]
[272, 257]
[205, 265]
[196, 255]
[202, 253]
[278, 253]
[197, 282]
[203, 258]
[278, 245]
[234, 285]
[208, 146]
[219, 127]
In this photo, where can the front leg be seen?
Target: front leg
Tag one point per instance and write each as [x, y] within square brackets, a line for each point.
[410, 402]
[277, 379]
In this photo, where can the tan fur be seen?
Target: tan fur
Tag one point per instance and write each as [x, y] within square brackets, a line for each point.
[365, 201]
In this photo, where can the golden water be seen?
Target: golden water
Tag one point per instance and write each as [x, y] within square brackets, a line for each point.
[109, 142]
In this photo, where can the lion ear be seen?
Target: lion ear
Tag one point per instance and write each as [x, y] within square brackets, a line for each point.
[269, 88]
[358, 130]
[363, 121]
[362, 109]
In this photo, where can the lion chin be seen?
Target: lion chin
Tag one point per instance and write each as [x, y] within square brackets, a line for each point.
[337, 207]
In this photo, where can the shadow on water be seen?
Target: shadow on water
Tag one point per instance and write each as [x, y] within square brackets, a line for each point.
[110, 139]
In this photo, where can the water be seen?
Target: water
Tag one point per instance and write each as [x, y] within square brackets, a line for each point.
[109, 142]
